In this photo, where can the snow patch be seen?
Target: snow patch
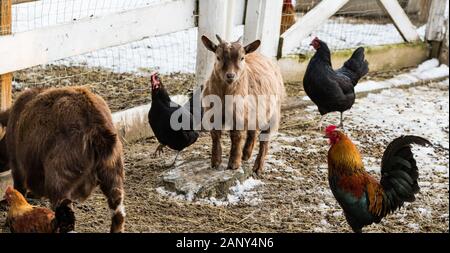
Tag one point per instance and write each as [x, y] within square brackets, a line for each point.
[427, 70]
[240, 193]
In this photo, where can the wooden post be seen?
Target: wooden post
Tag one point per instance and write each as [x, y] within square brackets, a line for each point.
[421, 8]
[212, 21]
[262, 21]
[436, 28]
[230, 20]
[443, 54]
[5, 29]
[400, 19]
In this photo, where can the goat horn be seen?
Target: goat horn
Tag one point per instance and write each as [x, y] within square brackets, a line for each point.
[219, 39]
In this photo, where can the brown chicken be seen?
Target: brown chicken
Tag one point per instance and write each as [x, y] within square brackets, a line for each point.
[25, 218]
[287, 16]
[364, 199]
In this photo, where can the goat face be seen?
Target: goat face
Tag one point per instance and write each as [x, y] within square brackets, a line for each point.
[230, 57]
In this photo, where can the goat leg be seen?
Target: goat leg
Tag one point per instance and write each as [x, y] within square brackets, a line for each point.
[111, 185]
[65, 217]
[249, 145]
[216, 152]
[260, 159]
[237, 141]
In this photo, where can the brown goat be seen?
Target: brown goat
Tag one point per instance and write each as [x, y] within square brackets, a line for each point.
[241, 72]
[61, 144]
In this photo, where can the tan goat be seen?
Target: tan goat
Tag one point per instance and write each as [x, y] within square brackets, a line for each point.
[255, 85]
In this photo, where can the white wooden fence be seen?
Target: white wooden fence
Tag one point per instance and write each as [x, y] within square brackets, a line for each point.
[262, 21]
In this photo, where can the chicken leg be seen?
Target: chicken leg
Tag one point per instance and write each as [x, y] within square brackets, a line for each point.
[174, 160]
[341, 125]
[320, 123]
[159, 150]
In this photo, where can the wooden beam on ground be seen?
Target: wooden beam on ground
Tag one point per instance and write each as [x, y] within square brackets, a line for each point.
[52, 43]
[5, 78]
[401, 55]
[290, 39]
[400, 19]
[262, 21]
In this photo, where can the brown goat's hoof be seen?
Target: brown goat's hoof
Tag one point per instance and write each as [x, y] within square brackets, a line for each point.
[246, 157]
[216, 164]
[257, 175]
[233, 167]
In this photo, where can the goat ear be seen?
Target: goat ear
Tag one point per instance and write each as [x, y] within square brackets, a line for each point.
[250, 48]
[209, 44]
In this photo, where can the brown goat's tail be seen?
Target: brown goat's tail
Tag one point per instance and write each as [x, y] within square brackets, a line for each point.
[102, 142]
[101, 138]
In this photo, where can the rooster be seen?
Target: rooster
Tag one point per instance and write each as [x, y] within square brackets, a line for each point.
[25, 218]
[287, 16]
[364, 199]
[159, 119]
[333, 90]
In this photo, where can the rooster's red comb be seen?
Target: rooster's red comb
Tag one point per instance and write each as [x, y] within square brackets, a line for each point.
[154, 78]
[330, 129]
[154, 74]
[9, 189]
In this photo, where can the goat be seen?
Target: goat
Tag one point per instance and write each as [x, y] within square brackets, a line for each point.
[239, 71]
[61, 143]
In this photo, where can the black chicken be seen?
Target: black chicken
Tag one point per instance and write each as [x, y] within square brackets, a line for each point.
[159, 118]
[333, 90]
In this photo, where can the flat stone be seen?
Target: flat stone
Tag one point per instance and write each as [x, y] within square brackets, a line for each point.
[196, 179]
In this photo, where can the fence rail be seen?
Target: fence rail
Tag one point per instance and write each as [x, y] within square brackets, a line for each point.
[261, 18]
[61, 41]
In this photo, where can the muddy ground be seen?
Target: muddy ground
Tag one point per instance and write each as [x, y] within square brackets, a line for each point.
[294, 195]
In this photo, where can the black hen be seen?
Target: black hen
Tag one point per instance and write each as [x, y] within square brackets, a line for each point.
[333, 90]
[159, 118]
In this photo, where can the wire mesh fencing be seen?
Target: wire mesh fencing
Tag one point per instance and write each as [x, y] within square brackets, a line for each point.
[360, 23]
[120, 73]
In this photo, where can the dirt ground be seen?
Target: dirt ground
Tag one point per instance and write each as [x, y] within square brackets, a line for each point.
[294, 195]
[120, 90]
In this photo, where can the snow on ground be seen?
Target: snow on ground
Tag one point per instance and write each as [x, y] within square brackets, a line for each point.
[428, 70]
[175, 52]
[422, 111]
[245, 192]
